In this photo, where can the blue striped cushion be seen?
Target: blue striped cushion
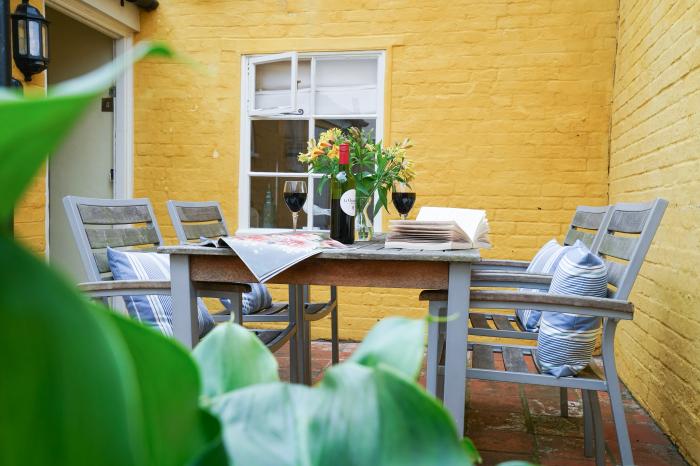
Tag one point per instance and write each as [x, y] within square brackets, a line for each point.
[156, 310]
[545, 262]
[565, 342]
[256, 300]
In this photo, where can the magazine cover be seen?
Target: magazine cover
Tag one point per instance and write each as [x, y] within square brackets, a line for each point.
[268, 255]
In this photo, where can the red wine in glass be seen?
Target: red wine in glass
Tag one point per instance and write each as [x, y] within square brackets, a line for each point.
[403, 202]
[295, 201]
[295, 198]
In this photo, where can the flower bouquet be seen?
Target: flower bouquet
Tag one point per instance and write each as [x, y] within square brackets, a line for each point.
[372, 168]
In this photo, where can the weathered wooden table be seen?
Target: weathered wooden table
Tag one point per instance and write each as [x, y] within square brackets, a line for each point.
[365, 265]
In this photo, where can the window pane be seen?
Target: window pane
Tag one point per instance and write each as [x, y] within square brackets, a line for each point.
[322, 205]
[34, 49]
[346, 86]
[273, 85]
[276, 144]
[267, 207]
[22, 36]
[344, 124]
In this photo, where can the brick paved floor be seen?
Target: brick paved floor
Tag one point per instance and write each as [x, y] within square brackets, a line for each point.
[509, 422]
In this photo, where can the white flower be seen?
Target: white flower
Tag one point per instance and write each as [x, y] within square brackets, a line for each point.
[342, 177]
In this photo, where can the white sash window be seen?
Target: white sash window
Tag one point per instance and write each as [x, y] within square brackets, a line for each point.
[289, 98]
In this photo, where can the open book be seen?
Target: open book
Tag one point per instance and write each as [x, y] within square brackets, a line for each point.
[438, 228]
[267, 255]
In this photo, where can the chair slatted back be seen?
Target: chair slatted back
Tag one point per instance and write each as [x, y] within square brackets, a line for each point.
[196, 220]
[101, 223]
[625, 241]
[586, 224]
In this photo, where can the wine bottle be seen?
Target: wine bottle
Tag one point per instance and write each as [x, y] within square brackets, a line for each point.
[343, 200]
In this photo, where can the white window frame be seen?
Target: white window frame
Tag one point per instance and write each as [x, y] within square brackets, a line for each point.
[245, 128]
[293, 58]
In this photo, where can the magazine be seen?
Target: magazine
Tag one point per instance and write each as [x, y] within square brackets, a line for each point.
[439, 228]
[268, 255]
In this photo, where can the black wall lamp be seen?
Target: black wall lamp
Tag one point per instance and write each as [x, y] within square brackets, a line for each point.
[30, 40]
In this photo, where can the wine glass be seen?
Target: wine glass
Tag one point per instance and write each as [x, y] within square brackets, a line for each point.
[295, 198]
[403, 198]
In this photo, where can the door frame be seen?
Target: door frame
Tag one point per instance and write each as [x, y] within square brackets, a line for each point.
[120, 25]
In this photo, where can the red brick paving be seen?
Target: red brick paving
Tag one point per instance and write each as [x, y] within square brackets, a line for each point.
[511, 422]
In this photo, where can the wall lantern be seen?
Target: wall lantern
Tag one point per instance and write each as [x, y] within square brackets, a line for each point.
[30, 40]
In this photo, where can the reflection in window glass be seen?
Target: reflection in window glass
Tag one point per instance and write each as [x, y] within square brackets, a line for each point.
[322, 205]
[267, 207]
[276, 144]
[34, 44]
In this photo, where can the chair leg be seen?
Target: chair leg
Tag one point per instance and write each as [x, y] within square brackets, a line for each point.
[564, 401]
[618, 409]
[599, 434]
[588, 434]
[431, 376]
[335, 349]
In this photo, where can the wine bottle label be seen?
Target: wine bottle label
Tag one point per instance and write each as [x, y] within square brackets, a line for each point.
[347, 202]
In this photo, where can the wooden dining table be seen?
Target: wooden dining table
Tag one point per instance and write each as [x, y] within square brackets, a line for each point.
[366, 264]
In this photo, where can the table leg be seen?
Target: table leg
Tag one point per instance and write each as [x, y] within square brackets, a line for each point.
[185, 322]
[299, 342]
[294, 362]
[456, 343]
[433, 349]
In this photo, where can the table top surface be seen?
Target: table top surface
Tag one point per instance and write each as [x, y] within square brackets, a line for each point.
[369, 250]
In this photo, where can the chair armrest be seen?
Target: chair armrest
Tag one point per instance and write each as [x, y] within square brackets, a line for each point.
[570, 304]
[500, 265]
[510, 280]
[110, 288]
[491, 279]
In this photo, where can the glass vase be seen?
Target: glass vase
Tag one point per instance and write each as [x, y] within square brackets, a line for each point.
[363, 218]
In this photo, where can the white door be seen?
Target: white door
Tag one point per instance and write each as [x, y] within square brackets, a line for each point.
[84, 164]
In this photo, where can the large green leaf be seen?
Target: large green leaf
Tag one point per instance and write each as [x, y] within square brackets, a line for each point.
[396, 342]
[368, 410]
[231, 357]
[32, 127]
[68, 394]
[175, 428]
[357, 416]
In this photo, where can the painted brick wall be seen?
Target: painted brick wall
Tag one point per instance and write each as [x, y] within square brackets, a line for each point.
[655, 152]
[30, 214]
[508, 103]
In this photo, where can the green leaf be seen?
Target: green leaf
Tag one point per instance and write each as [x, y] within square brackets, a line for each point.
[396, 342]
[68, 394]
[34, 126]
[176, 429]
[356, 416]
[231, 357]
[471, 450]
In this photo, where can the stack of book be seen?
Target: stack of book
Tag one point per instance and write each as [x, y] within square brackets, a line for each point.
[439, 228]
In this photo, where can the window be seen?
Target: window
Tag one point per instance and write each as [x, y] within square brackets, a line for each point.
[287, 99]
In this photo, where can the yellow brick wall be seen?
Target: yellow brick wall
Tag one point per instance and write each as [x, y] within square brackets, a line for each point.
[655, 152]
[30, 214]
[508, 103]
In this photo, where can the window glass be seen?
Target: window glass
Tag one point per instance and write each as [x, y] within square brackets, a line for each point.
[34, 44]
[272, 85]
[267, 207]
[344, 124]
[322, 205]
[22, 36]
[346, 86]
[276, 144]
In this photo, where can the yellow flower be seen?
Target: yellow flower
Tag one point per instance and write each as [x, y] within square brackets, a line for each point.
[333, 153]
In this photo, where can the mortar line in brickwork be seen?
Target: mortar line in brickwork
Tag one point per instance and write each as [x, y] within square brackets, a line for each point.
[612, 98]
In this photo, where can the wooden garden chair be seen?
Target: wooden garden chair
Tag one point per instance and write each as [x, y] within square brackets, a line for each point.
[584, 226]
[194, 221]
[130, 224]
[623, 241]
